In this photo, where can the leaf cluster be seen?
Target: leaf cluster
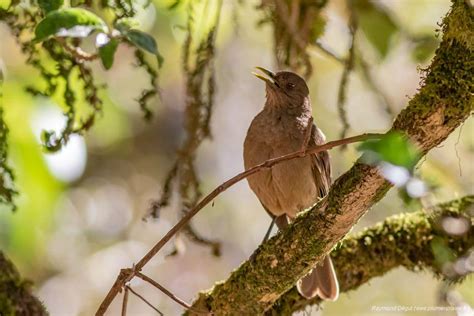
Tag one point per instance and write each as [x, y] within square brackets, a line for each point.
[55, 51]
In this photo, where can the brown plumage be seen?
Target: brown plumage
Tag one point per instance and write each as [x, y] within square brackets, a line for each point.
[292, 186]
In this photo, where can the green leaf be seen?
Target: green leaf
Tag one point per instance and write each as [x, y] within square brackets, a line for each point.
[394, 148]
[71, 22]
[50, 5]
[107, 53]
[127, 27]
[125, 24]
[144, 41]
[376, 24]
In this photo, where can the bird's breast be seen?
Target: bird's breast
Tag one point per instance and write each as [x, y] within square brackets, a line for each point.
[289, 186]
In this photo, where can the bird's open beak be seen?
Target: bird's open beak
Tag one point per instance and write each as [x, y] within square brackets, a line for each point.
[269, 78]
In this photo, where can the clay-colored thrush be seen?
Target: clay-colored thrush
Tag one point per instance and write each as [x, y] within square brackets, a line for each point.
[295, 185]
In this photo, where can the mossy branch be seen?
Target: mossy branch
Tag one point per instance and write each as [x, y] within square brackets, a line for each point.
[15, 292]
[403, 240]
[443, 102]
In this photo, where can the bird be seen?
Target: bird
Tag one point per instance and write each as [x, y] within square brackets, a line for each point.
[283, 127]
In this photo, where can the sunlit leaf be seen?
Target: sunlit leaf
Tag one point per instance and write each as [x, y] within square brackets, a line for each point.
[50, 5]
[72, 22]
[376, 24]
[4, 4]
[75, 31]
[393, 148]
[107, 52]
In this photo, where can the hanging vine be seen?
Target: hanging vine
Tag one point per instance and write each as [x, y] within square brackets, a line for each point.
[198, 69]
[7, 186]
[297, 24]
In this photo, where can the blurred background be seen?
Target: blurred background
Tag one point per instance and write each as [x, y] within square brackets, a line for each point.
[79, 217]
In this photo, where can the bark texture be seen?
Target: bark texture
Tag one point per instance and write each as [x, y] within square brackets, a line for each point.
[443, 102]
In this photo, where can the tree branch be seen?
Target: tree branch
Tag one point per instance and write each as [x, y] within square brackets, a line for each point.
[126, 275]
[400, 241]
[443, 102]
[15, 292]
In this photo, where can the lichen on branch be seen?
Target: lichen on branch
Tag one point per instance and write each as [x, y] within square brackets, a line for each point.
[403, 240]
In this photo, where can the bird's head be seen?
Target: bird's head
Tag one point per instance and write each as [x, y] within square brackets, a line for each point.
[284, 88]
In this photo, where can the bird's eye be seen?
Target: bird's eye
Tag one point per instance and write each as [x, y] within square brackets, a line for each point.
[290, 85]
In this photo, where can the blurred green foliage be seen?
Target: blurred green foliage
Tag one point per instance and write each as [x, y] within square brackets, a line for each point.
[50, 5]
[61, 60]
[377, 25]
[393, 148]
[39, 192]
[64, 66]
[7, 186]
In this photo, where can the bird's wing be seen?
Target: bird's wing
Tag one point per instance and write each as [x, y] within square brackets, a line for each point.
[321, 166]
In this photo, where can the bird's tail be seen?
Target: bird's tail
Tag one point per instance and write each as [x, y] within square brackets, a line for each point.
[320, 281]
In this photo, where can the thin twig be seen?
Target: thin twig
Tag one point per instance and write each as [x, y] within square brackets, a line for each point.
[456, 149]
[169, 294]
[127, 274]
[348, 66]
[125, 302]
[291, 27]
[76, 51]
[144, 300]
[294, 13]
